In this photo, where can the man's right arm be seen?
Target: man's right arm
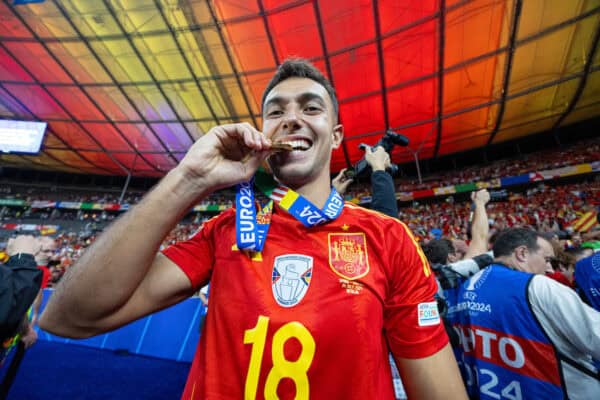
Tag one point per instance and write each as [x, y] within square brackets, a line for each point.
[479, 227]
[120, 277]
[383, 197]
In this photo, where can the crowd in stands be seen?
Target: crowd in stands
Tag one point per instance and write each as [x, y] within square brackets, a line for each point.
[27, 213]
[582, 152]
[45, 192]
[543, 207]
[71, 245]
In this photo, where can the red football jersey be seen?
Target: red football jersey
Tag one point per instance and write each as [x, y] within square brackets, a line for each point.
[315, 314]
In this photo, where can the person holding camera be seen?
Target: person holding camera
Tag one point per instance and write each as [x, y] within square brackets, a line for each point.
[383, 195]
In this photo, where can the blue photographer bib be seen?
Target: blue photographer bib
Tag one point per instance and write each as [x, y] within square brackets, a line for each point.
[504, 352]
[587, 278]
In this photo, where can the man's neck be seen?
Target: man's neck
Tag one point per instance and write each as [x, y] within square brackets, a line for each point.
[317, 191]
[508, 262]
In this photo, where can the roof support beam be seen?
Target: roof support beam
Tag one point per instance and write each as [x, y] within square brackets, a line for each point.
[83, 128]
[113, 13]
[589, 61]
[119, 87]
[213, 66]
[268, 32]
[326, 57]
[549, 30]
[68, 73]
[440, 75]
[377, 23]
[514, 27]
[187, 65]
[159, 32]
[525, 92]
[218, 26]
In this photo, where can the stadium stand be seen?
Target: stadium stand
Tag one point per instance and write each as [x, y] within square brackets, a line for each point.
[75, 215]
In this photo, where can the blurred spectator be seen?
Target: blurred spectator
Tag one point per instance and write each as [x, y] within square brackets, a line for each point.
[42, 258]
[19, 284]
[587, 281]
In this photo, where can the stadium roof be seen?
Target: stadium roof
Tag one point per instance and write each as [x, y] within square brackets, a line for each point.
[129, 85]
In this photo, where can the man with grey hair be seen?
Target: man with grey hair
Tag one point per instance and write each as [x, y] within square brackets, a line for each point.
[521, 333]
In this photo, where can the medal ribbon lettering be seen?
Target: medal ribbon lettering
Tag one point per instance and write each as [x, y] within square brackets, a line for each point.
[251, 228]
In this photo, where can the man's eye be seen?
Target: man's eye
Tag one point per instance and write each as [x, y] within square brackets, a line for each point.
[274, 113]
[313, 109]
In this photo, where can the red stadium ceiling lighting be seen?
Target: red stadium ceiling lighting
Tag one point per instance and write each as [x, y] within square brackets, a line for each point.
[128, 87]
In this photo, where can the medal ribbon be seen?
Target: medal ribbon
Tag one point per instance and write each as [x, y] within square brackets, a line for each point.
[251, 227]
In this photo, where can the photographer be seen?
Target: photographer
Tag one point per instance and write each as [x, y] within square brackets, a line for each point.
[512, 304]
[382, 185]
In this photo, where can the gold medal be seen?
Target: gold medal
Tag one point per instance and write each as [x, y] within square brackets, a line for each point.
[278, 146]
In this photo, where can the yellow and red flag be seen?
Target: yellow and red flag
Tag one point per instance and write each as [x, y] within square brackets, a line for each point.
[586, 222]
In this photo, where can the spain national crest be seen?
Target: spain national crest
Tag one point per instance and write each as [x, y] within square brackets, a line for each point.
[348, 255]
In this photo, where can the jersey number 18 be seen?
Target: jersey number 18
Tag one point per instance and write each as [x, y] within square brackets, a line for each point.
[282, 368]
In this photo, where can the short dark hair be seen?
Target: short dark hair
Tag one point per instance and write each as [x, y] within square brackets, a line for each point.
[509, 239]
[301, 68]
[437, 250]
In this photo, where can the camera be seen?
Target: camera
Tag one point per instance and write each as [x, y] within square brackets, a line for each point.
[387, 141]
[450, 278]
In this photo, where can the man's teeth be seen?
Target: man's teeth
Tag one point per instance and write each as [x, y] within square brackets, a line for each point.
[298, 145]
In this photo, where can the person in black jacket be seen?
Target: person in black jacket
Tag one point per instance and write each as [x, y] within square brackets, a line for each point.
[20, 281]
[383, 196]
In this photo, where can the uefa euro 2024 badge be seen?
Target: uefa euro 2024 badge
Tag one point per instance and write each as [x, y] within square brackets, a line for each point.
[291, 278]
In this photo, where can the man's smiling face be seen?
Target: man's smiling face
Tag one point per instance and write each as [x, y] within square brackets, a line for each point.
[299, 111]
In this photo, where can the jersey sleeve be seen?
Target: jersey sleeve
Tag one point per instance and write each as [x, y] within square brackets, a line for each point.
[411, 319]
[195, 256]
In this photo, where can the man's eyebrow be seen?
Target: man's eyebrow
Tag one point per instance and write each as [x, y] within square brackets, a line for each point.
[308, 96]
[275, 100]
[302, 98]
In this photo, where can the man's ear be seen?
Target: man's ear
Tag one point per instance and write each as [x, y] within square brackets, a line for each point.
[337, 135]
[521, 253]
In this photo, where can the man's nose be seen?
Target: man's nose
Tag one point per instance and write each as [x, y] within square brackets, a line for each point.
[291, 121]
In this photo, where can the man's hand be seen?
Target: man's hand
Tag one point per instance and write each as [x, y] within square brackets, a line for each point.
[481, 197]
[23, 244]
[341, 182]
[29, 337]
[378, 159]
[224, 156]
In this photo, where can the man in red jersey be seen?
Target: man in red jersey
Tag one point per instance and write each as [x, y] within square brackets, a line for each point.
[308, 293]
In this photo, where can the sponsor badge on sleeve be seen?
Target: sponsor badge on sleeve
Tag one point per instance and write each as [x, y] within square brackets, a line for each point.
[428, 314]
